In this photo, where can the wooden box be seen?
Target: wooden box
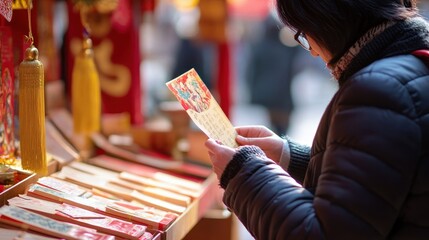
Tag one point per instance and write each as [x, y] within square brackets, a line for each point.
[24, 179]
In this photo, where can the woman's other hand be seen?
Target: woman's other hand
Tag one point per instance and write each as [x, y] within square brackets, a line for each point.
[262, 137]
[220, 155]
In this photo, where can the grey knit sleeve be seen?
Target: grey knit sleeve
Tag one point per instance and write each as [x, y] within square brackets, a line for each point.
[299, 158]
[242, 155]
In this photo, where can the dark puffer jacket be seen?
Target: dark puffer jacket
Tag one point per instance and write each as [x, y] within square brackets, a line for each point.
[368, 177]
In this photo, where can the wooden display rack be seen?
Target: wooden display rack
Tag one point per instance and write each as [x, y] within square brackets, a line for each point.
[63, 155]
[194, 213]
[25, 178]
[177, 230]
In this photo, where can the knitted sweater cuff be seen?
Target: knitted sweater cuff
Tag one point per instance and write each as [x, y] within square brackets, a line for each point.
[285, 156]
[299, 158]
[240, 157]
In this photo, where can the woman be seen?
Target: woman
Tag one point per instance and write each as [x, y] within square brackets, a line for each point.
[366, 175]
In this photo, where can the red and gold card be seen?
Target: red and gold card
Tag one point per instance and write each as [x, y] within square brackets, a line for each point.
[20, 217]
[149, 216]
[144, 214]
[202, 107]
[79, 216]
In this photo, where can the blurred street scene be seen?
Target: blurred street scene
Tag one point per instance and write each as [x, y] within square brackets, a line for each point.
[243, 53]
[273, 81]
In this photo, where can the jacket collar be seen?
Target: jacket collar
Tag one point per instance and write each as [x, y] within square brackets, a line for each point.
[386, 40]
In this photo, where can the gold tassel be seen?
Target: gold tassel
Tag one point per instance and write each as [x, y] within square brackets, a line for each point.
[86, 96]
[32, 113]
[32, 109]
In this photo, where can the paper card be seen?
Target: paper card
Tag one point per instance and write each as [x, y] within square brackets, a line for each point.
[93, 181]
[157, 203]
[79, 216]
[146, 236]
[35, 204]
[98, 206]
[62, 186]
[33, 221]
[109, 225]
[141, 208]
[94, 170]
[147, 215]
[48, 207]
[168, 178]
[54, 195]
[202, 107]
[144, 181]
[78, 213]
[155, 192]
[13, 234]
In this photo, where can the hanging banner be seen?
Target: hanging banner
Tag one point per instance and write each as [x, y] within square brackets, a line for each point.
[116, 54]
[7, 138]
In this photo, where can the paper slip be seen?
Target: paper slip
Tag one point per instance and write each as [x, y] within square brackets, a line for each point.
[23, 218]
[75, 215]
[15, 234]
[203, 109]
[36, 190]
[148, 215]
[63, 186]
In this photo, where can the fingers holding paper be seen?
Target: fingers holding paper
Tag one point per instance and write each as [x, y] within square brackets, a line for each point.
[259, 136]
[220, 155]
[262, 137]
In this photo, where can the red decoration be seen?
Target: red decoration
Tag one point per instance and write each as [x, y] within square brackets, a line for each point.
[116, 54]
[148, 5]
[7, 80]
[224, 77]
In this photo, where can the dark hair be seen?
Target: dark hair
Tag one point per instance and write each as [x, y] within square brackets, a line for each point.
[338, 24]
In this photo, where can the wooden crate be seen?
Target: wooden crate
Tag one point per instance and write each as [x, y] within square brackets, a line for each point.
[25, 178]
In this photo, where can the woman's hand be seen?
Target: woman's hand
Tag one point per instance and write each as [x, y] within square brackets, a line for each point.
[220, 155]
[262, 137]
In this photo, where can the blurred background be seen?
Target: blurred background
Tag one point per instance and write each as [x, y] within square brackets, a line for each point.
[245, 56]
[271, 79]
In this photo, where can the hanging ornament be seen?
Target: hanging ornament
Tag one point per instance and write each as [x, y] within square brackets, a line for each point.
[86, 105]
[32, 109]
[86, 95]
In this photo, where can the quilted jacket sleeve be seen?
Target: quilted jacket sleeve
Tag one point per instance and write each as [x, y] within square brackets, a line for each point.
[371, 155]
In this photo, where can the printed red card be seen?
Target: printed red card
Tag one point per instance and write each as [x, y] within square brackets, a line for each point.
[26, 219]
[202, 107]
[79, 216]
